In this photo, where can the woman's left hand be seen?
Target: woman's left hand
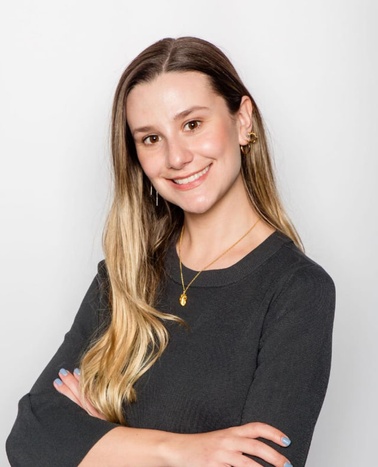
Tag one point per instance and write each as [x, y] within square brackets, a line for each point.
[68, 385]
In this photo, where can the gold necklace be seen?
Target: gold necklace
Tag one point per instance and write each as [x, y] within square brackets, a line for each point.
[183, 297]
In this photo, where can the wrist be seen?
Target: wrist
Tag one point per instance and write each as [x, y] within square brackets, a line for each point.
[168, 449]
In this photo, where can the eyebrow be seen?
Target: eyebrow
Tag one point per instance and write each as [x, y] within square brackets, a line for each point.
[178, 116]
[187, 112]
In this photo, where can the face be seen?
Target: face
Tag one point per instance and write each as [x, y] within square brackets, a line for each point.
[187, 141]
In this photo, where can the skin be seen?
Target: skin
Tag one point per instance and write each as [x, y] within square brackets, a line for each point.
[135, 447]
[181, 127]
[188, 145]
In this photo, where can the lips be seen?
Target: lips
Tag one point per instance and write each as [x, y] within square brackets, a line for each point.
[191, 178]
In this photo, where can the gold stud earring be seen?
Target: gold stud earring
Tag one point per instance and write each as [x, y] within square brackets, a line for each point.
[252, 139]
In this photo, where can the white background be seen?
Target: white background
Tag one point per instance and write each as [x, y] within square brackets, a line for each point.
[312, 67]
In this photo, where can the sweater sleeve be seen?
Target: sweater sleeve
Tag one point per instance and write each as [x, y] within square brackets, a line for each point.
[50, 429]
[294, 359]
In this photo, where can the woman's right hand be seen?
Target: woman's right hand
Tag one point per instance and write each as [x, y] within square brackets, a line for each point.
[68, 384]
[224, 448]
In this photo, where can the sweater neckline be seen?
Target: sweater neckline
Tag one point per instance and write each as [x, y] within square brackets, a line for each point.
[232, 274]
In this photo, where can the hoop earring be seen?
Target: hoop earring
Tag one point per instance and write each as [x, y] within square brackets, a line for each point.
[252, 139]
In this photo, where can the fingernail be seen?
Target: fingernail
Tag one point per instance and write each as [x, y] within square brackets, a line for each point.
[58, 382]
[286, 441]
[63, 372]
[77, 371]
[287, 464]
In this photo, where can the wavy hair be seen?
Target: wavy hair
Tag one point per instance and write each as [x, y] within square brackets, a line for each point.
[137, 233]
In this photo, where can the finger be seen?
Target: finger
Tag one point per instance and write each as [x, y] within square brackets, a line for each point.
[77, 373]
[65, 390]
[68, 385]
[263, 430]
[238, 460]
[259, 449]
[71, 382]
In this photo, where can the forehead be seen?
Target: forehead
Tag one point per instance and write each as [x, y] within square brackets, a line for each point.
[170, 93]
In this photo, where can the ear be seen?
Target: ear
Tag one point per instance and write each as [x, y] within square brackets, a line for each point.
[244, 116]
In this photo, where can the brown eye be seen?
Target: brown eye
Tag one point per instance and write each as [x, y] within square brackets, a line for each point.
[152, 139]
[192, 125]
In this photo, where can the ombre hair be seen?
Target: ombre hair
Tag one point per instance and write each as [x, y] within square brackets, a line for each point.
[138, 233]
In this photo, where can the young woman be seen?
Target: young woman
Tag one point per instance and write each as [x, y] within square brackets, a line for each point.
[205, 338]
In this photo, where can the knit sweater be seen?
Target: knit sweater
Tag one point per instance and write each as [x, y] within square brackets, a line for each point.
[257, 348]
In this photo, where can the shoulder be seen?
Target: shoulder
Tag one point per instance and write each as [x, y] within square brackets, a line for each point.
[304, 270]
[291, 262]
[300, 282]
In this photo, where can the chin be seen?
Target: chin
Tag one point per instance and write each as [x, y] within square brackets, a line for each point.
[200, 207]
[198, 204]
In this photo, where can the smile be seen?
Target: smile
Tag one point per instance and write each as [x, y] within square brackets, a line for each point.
[192, 178]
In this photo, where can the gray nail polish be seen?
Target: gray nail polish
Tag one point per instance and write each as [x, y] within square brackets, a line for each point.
[286, 441]
[58, 382]
[63, 372]
[287, 464]
[77, 371]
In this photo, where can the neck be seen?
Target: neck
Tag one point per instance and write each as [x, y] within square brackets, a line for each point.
[208, 235]
[220, 230]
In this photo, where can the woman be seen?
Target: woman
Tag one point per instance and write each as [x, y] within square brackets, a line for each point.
[205, 338]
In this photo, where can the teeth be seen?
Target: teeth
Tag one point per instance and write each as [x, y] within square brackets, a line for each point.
[183, 181]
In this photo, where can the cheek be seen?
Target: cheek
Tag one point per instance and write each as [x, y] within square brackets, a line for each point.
[221, 142]
[149, 164]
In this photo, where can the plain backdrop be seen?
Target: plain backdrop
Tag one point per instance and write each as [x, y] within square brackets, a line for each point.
[312, 68]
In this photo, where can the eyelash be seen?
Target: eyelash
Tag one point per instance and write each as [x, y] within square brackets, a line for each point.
[197, 125]
[147, 139]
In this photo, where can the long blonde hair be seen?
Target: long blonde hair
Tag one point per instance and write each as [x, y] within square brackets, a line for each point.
[138, 233]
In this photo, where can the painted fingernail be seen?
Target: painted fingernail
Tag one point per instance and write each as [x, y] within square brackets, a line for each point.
[77, 371]
[286, 441]
[58, 382]
[63, 372]
[287, 464]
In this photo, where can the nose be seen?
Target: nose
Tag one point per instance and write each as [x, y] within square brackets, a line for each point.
[178, 154]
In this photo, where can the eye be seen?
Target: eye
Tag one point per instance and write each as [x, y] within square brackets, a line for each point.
[151, 139]
[192, 125]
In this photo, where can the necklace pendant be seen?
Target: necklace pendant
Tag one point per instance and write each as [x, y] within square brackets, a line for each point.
[183, 299]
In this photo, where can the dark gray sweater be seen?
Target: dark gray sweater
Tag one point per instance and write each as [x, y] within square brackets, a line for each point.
[258, 348]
